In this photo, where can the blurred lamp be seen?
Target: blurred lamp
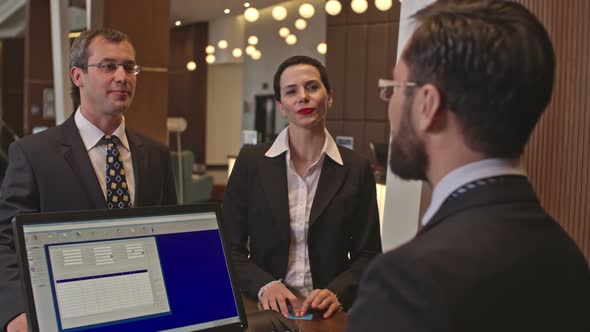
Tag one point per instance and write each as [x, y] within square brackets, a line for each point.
[279, 13]
[250, 49]
[210, 49]
[222, 44]
[306, 10]
[236, 52]
[291, 39]
[300, 24]
[284, 32]
[333, 7]
[322, 48]
[191, 66]
[210, 58]
[359, 6]
[383, 5]
[251, 14]
[256, 55]
[253, 40]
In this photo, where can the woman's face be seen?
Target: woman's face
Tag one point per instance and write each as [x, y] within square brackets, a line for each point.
[304, 99]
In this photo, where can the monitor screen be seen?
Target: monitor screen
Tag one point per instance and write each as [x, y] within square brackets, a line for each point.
[156, 273]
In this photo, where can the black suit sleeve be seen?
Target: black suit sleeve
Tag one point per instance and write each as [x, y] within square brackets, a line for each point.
[365, 239]
[18, 194]
[396, 295]
[235, 215]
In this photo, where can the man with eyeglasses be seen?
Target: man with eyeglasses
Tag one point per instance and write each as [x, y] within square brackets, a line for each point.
[91, 161]
[470, 85]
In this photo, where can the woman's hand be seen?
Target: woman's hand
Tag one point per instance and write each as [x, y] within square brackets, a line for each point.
[322, 300]
[275, 297]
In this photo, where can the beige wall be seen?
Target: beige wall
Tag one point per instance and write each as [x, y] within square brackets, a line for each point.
[224, 112]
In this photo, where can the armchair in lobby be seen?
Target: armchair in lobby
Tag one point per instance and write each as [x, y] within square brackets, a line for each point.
[195, 188]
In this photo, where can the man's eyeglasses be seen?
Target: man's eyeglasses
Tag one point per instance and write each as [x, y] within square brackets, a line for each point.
[108, 67]
[387, 87]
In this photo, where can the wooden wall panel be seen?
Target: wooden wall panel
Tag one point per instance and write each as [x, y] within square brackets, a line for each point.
[361, 49]
[12, 81]
[148, 25]
[557, 158]
[188, 89]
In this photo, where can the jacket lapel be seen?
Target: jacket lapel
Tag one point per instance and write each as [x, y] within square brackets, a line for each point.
[74, 152]
[512, 190]
[331, 179]
[274, 183]
[136, 147]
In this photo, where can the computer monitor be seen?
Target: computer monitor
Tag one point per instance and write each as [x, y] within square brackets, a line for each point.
[139, 269]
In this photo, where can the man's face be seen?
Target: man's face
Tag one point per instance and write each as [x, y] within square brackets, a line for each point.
[407, 154]
[105, 93]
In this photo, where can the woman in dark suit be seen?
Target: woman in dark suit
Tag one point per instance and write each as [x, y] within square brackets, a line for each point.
[302, 212]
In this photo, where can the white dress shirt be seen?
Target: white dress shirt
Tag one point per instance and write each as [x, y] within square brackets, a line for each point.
[97, 151]
[302, 191]
[469, 173]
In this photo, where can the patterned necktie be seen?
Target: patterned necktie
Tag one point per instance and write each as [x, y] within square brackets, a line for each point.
[117, 191]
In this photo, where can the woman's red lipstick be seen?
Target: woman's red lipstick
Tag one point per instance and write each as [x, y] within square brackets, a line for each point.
[306, 111]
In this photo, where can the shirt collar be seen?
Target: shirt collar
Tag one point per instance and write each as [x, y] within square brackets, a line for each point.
[468, 173]
[281, 144]
[91, 134]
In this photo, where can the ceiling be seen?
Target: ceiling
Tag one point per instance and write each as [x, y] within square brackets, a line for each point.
[190, 11]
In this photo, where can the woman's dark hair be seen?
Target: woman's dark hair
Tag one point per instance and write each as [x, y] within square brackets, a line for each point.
[299, 60]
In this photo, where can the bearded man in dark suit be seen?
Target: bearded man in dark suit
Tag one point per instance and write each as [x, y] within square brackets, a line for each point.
[470, 86]
[65, 168]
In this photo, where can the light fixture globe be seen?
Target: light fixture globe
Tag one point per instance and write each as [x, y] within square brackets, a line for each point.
[284, 32]
[291, 39]
[256, 55]
[306, 10]
[359, 6]
[333, 7]
[251, 14]
[300, 24]
[191, 66]
[222, 44]
[253, 40]
[236, 52]
[383, 5]
[210, 58]
[322, 48]
[210, 49]
[250, 50]
[279, 13]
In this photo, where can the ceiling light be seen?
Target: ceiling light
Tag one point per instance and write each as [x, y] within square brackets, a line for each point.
[306, 10]
[322, 48]
[250, 50]
[291, 39]
[210, 49]
[253, 40]
[210, 58]
[246, 4]
[333, 7]
[251, 14]
[236, 52]
[256, 55]
[226, 11]
[279, 13]
[191, 65]
[177, 23]
[300, 24]
[284, 32]
[359, 6]
[222, 44]
[383, 5]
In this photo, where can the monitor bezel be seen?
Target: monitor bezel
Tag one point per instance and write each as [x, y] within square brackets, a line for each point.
[22, 220]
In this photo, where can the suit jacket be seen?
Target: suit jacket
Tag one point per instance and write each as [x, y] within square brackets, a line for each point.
[343, 218]
[490, 259]
[51, 171]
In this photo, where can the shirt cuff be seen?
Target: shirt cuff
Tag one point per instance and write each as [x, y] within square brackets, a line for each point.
[265, 287]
